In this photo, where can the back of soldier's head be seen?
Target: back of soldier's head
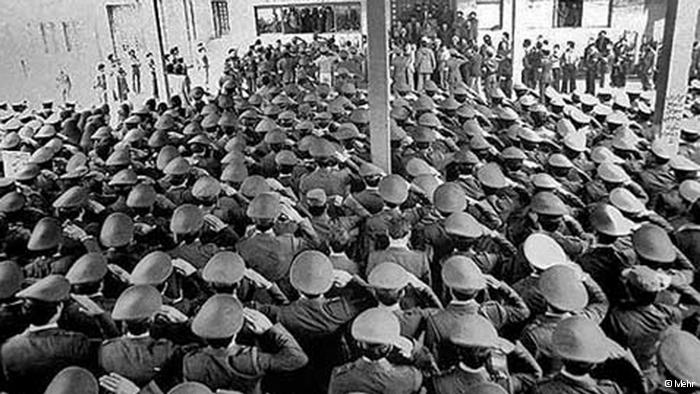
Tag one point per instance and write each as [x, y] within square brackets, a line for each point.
[398, 227]
[338, 239]
[389, 297]
[40, 312]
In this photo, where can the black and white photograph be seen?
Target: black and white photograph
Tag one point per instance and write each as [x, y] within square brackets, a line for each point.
[350, 197]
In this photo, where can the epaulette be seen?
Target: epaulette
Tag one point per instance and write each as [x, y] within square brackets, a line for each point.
[345, 368]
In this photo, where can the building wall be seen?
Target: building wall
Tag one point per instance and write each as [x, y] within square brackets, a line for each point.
[41, 37]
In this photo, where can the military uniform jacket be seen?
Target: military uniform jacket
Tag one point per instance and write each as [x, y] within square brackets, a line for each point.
[438, 325]
[319, 325]
[269, 254]
[12, 320]
[31, 359]
[656, 180]
[95, 327]
[414, 262]
[140, 359]
[242, 367]
[688, 241]
[458, 380]
[638, 327]
[333, 182]
[562, 384]
[605, 264]
[375, 377]
[195, 253]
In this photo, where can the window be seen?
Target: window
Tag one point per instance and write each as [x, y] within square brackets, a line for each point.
[50, 37]
[582, 13]
[490, 14]
[308, 18]
[219, 10]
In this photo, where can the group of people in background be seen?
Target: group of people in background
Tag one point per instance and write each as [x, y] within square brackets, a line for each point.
[118, 79]
[546, 64]
[447, 48]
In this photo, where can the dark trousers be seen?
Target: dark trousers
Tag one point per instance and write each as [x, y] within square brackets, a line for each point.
[590, 80]
[155, 84]
[568, 82]
[556, 77]
[136, 80]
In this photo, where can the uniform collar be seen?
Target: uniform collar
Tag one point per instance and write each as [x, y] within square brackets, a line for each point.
[585, 379]
[382, 362]
[340, 255]
[399, 243]
[456, 304]
[478, 371]
[140, 336]
[270, 232]
[391, 308]
[33, 328]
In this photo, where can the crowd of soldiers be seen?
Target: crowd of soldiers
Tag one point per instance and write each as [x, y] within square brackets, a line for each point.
[245, 242]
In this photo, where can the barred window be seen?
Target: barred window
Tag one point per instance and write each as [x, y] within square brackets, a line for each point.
[219, 10]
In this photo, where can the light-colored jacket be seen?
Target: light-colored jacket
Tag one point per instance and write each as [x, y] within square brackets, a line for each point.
[425, 61]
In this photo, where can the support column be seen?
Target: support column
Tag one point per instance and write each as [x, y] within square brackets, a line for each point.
[674, 65]
[378, 12]
[517, 35]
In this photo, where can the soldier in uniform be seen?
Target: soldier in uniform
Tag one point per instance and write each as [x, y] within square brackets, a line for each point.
[377, 332]
[430, 234]
[465, 282]
[611, 252]
[186, 225]
[32, 358]
[226, 274]
[483, 356]
[581, 345]
[223, 364]
[566, 293]
[676, 354]
[656, 177]
[89, 310]
[415, 262]
[264, 251]
[400, 292]
[639, 322]
[489, 249]
[315, 320]
[12, 319]
[148, 362]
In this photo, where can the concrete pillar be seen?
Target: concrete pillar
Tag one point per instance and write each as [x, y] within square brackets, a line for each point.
[378, 13]
[674, 65]
[517, 35]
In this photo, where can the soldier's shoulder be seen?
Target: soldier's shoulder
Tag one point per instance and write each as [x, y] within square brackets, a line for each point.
[608, 386]
[345, 368]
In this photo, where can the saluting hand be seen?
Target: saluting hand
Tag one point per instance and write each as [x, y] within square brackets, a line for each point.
[118, 384]
[341, 278]
[172, 314]
[256, 321]
[257, 278]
